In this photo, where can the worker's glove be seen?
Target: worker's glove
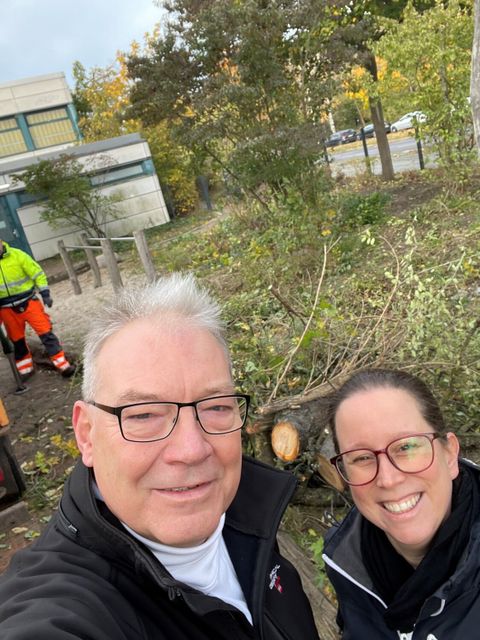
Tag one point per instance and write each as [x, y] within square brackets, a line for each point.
[47, 301]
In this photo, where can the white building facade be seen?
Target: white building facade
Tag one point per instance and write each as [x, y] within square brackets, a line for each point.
[38, 122]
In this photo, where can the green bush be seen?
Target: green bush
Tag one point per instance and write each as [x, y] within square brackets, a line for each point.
[355, 210]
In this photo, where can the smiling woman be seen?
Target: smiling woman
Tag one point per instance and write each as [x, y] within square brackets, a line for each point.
[405, 557]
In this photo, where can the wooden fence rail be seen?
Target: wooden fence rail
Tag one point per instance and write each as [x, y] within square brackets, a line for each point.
[106, 247]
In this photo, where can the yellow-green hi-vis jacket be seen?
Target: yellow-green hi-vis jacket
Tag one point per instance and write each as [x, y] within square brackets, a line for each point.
[20, 276]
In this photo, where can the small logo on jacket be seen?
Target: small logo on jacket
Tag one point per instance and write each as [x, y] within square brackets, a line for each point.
[275, 579]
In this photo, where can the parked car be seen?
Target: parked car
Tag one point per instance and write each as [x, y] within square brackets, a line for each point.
[408, 121]
[341, 137]
[369, 131]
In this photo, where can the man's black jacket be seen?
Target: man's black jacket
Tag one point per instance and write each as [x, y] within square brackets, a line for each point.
[86, 577]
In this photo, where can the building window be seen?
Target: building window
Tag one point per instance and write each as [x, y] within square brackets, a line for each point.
[11, 138]
[118, 174]
[49, 128]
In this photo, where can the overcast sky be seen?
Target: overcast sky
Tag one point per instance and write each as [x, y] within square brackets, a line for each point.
[46, 36]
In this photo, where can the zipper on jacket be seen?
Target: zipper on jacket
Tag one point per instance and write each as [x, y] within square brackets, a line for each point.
[71, 529]
[174, 592]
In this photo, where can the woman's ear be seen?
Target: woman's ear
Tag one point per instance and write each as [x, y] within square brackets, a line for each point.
[82, 426]
[452, 449]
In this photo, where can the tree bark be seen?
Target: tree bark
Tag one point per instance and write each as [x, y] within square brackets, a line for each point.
[475, 76]
[378, 120]
[299, 431]
[323, 610]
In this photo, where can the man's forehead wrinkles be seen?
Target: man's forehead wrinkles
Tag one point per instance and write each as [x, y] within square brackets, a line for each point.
[132, 395]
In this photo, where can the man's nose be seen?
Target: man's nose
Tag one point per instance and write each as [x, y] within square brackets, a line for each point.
[188, 442]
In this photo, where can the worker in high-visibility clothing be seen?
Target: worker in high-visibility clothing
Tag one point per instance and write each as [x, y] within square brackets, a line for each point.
[20, 279]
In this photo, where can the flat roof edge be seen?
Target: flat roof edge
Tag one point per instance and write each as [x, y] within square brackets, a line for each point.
[17, 83]
[77, 151]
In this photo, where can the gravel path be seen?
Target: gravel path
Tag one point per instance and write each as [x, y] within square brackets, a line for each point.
[71, 314]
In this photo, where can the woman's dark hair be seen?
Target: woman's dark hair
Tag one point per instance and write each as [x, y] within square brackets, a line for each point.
[368, 379]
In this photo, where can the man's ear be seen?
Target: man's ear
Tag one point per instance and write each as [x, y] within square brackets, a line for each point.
[83, 426]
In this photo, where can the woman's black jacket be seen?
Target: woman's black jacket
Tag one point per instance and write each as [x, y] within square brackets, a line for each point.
[86, 577]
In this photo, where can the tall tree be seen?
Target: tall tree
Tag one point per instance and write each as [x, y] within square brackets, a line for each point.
[102, 99]
[244, 82]
[432, 52]
[361, 24]
[475, 75]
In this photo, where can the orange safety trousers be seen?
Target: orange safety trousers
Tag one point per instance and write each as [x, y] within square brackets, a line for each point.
[36, 316]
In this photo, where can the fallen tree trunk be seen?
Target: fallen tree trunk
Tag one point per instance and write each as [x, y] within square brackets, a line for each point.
[294, 402]
[292, 434]
[324, 611]
[304, 432]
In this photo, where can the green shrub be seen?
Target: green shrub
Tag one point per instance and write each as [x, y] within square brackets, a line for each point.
[355, 210]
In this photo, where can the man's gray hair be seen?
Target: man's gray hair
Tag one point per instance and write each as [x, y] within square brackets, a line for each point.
[177, 296]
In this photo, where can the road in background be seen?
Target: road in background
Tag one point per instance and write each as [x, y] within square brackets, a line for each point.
[350, 159]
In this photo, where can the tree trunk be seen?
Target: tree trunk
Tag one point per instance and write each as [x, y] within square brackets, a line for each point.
[301, 431]
[475, 75]
[379, 126]
[381, 136]
[323, 610]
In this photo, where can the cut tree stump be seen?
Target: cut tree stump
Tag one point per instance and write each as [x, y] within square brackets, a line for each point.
[300, 431]
[324, 611]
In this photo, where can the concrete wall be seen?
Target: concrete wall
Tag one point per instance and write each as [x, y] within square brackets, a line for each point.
[142, 206]
[38, 153]
[34, 94]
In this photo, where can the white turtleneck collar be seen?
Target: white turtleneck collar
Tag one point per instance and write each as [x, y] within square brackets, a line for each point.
[206, 567]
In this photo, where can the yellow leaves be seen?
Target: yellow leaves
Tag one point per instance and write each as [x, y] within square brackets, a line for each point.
[66, 445]
[358, 72]
[228, 67]
[470, 269]
[257, 251]
[329, 216]
[189, 112]
[293, 382]
[382, 67]
[106, 91]
[356, 86]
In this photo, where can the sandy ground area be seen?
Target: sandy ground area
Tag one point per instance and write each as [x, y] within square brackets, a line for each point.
[71, 314]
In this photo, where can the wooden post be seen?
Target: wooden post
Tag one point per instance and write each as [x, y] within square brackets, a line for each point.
[111, 263]
[77, 290]
[92, 261]
[421, 161]
[144, 254]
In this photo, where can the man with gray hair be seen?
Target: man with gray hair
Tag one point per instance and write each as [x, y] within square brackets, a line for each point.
[164, 530]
